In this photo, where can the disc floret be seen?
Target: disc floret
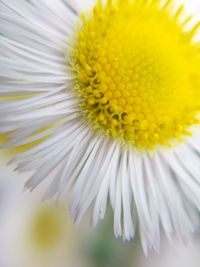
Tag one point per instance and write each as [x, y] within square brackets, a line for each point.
[137, 72]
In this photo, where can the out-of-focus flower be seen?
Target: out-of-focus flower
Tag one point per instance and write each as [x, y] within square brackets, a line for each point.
[108, 104]
[33, 234]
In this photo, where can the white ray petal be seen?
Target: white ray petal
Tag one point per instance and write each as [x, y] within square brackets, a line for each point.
[101, 168]
[83, 176]
[55, 158]
[129, 230]
[183, 175]
[42, 122]
[54, 186]
[154, 204]
[62, 133]
[138, 188]
[174, 200]
[101, 200]
[112, 188]
[118, 203]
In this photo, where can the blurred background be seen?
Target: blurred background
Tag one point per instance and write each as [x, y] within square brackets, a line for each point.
[36, 234]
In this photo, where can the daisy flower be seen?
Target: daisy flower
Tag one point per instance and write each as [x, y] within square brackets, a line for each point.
[105, 97]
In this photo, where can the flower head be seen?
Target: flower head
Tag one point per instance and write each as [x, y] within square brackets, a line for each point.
[108, 104]
[133, 82]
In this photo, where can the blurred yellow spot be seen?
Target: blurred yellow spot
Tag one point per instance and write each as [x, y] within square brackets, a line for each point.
[137, 72]
[48, 227]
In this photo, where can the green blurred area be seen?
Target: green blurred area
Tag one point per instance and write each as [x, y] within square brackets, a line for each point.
[102, 249]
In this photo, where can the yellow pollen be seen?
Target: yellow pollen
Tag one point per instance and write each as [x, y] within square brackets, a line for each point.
[137, 72]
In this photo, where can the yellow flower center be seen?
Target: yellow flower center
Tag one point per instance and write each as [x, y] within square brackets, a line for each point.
[137, 72]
